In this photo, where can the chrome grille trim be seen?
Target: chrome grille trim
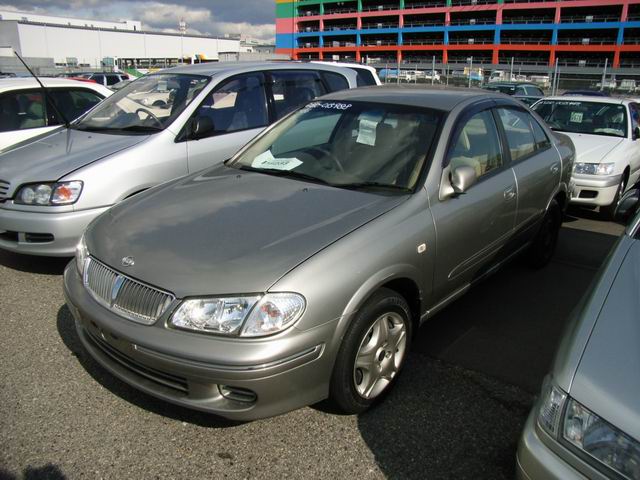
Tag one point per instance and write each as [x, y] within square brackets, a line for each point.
[4, 189]
[124, 295]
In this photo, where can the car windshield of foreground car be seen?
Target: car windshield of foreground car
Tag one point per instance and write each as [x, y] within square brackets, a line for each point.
[347, 145]
[595, 118]
[147, 105]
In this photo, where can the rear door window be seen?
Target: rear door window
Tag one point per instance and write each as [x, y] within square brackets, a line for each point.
[292, 89]
[519, 132]
[335, 81]
[98, 79]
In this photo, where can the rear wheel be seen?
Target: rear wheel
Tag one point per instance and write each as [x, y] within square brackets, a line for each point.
[608, 211]
[372, 352]
[544, 245]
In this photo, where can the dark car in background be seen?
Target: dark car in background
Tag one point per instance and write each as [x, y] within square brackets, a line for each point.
[528, 93]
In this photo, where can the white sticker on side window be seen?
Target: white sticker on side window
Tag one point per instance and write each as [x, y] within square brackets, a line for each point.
[576, 117]
[267, 160]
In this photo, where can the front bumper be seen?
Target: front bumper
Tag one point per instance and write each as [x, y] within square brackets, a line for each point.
[46, 234]
[594, 190]
[239, 379]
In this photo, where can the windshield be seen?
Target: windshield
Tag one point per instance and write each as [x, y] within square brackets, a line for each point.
[146, 105]
[592, 118]
[347, 144]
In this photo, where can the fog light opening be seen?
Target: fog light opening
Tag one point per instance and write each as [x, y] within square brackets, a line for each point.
[237, 394]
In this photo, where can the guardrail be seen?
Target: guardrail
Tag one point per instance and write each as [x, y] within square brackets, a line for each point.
[470, 41]
[339, 27]
[586, 41]
[372, 8]
[527, 41]
[527, 20]
[590, 19]
[426, 41]
[335, 11]
[411, 6]
[423, 24]
[378, 43]
[370, 26]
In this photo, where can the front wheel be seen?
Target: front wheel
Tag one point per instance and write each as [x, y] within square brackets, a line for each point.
[544, 244]
[372, 352]
[609, 211]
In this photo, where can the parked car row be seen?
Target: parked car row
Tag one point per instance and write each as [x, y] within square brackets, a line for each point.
[253, 238]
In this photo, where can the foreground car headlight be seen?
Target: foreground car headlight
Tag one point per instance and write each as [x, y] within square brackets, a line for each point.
[58, 193]
[82, 253]
[569, 422]
[260, 316]
[594, 168]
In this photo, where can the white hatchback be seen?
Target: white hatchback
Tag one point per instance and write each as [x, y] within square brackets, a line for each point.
[24, 114]
[606, 135]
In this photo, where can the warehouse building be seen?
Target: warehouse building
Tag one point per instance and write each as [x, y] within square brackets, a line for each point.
[94, 44]
[579, 34]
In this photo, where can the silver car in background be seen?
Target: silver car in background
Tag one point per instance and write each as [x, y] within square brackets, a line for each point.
[299, 269]
[586, 422]
[159, 127]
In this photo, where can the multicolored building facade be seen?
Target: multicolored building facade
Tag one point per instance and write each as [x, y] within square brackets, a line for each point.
[578, 33]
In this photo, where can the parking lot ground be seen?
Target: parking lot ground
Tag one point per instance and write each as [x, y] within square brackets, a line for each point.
[456, 411]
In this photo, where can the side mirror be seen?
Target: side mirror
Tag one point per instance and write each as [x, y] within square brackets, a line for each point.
[462, 178]
[627, 206]
[636, 133]
[201, 127]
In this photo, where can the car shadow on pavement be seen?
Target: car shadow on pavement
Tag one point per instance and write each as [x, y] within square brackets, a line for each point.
[68, 334]
[46, 472]
[33, 264]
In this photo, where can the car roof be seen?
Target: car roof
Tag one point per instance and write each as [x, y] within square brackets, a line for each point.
[417, 96]
[511, 84]
[216, 68]
[590, 98]
[19, 83]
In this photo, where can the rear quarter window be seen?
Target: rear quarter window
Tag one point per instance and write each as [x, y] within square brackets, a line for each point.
[335, 81]
[364, 77]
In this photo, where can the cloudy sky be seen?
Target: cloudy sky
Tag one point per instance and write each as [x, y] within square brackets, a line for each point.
[253, 18]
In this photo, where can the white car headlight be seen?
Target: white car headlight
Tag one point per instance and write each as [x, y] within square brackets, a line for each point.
[54, 193]
[572, 424]
[594, 168]
[82, 253]
[260, 316]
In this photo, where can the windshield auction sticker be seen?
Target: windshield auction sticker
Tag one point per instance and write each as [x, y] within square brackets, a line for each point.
[267, 160]
[328, 105]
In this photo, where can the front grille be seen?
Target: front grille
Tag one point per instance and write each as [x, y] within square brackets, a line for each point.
[124, 295]
[4, 189]
[166, 379]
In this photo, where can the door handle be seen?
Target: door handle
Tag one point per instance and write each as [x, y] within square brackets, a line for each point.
[555, 168]
[510, 193]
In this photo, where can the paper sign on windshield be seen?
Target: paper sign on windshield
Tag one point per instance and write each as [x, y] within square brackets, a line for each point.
[267, 160]
[576, 117]
[367, 132]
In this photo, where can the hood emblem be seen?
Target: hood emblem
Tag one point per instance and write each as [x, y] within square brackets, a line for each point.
[128, 261]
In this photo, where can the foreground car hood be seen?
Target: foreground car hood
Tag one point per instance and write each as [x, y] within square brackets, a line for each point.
[607, 380]
[228, 231]
[56, 155]
[593, 148]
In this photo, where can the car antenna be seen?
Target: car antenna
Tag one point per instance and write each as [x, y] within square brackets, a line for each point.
[44, 89]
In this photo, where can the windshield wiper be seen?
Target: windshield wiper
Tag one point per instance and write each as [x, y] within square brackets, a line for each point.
[285, 173]
[366, 185]
[139, 128]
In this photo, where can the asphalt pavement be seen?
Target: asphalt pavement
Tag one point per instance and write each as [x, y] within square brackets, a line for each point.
[456, 411]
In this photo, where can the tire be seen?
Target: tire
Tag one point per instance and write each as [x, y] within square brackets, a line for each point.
[543, 247]
[366, 365]
[609, 211]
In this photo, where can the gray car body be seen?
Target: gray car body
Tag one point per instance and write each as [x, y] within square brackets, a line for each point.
[226, 231]
[596, 364]
[115, 167]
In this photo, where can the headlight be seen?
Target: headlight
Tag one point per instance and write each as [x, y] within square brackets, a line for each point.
[265, 315]
[59, 193]
[594, 168]
[568, 421]
[82, 253]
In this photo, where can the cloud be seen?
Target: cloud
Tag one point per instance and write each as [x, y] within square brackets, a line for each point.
[254, 18]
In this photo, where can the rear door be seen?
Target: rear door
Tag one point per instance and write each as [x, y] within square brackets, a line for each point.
[535, 162]
[22, 115]
[472, 228]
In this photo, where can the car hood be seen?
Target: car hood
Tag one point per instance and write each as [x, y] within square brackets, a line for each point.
[593, 148]
[228, 231]
[607, 380]
[56, 155]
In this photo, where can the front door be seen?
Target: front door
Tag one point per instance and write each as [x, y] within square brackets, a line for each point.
[473, 227]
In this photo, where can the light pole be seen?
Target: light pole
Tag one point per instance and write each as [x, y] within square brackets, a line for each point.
[470, 69]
